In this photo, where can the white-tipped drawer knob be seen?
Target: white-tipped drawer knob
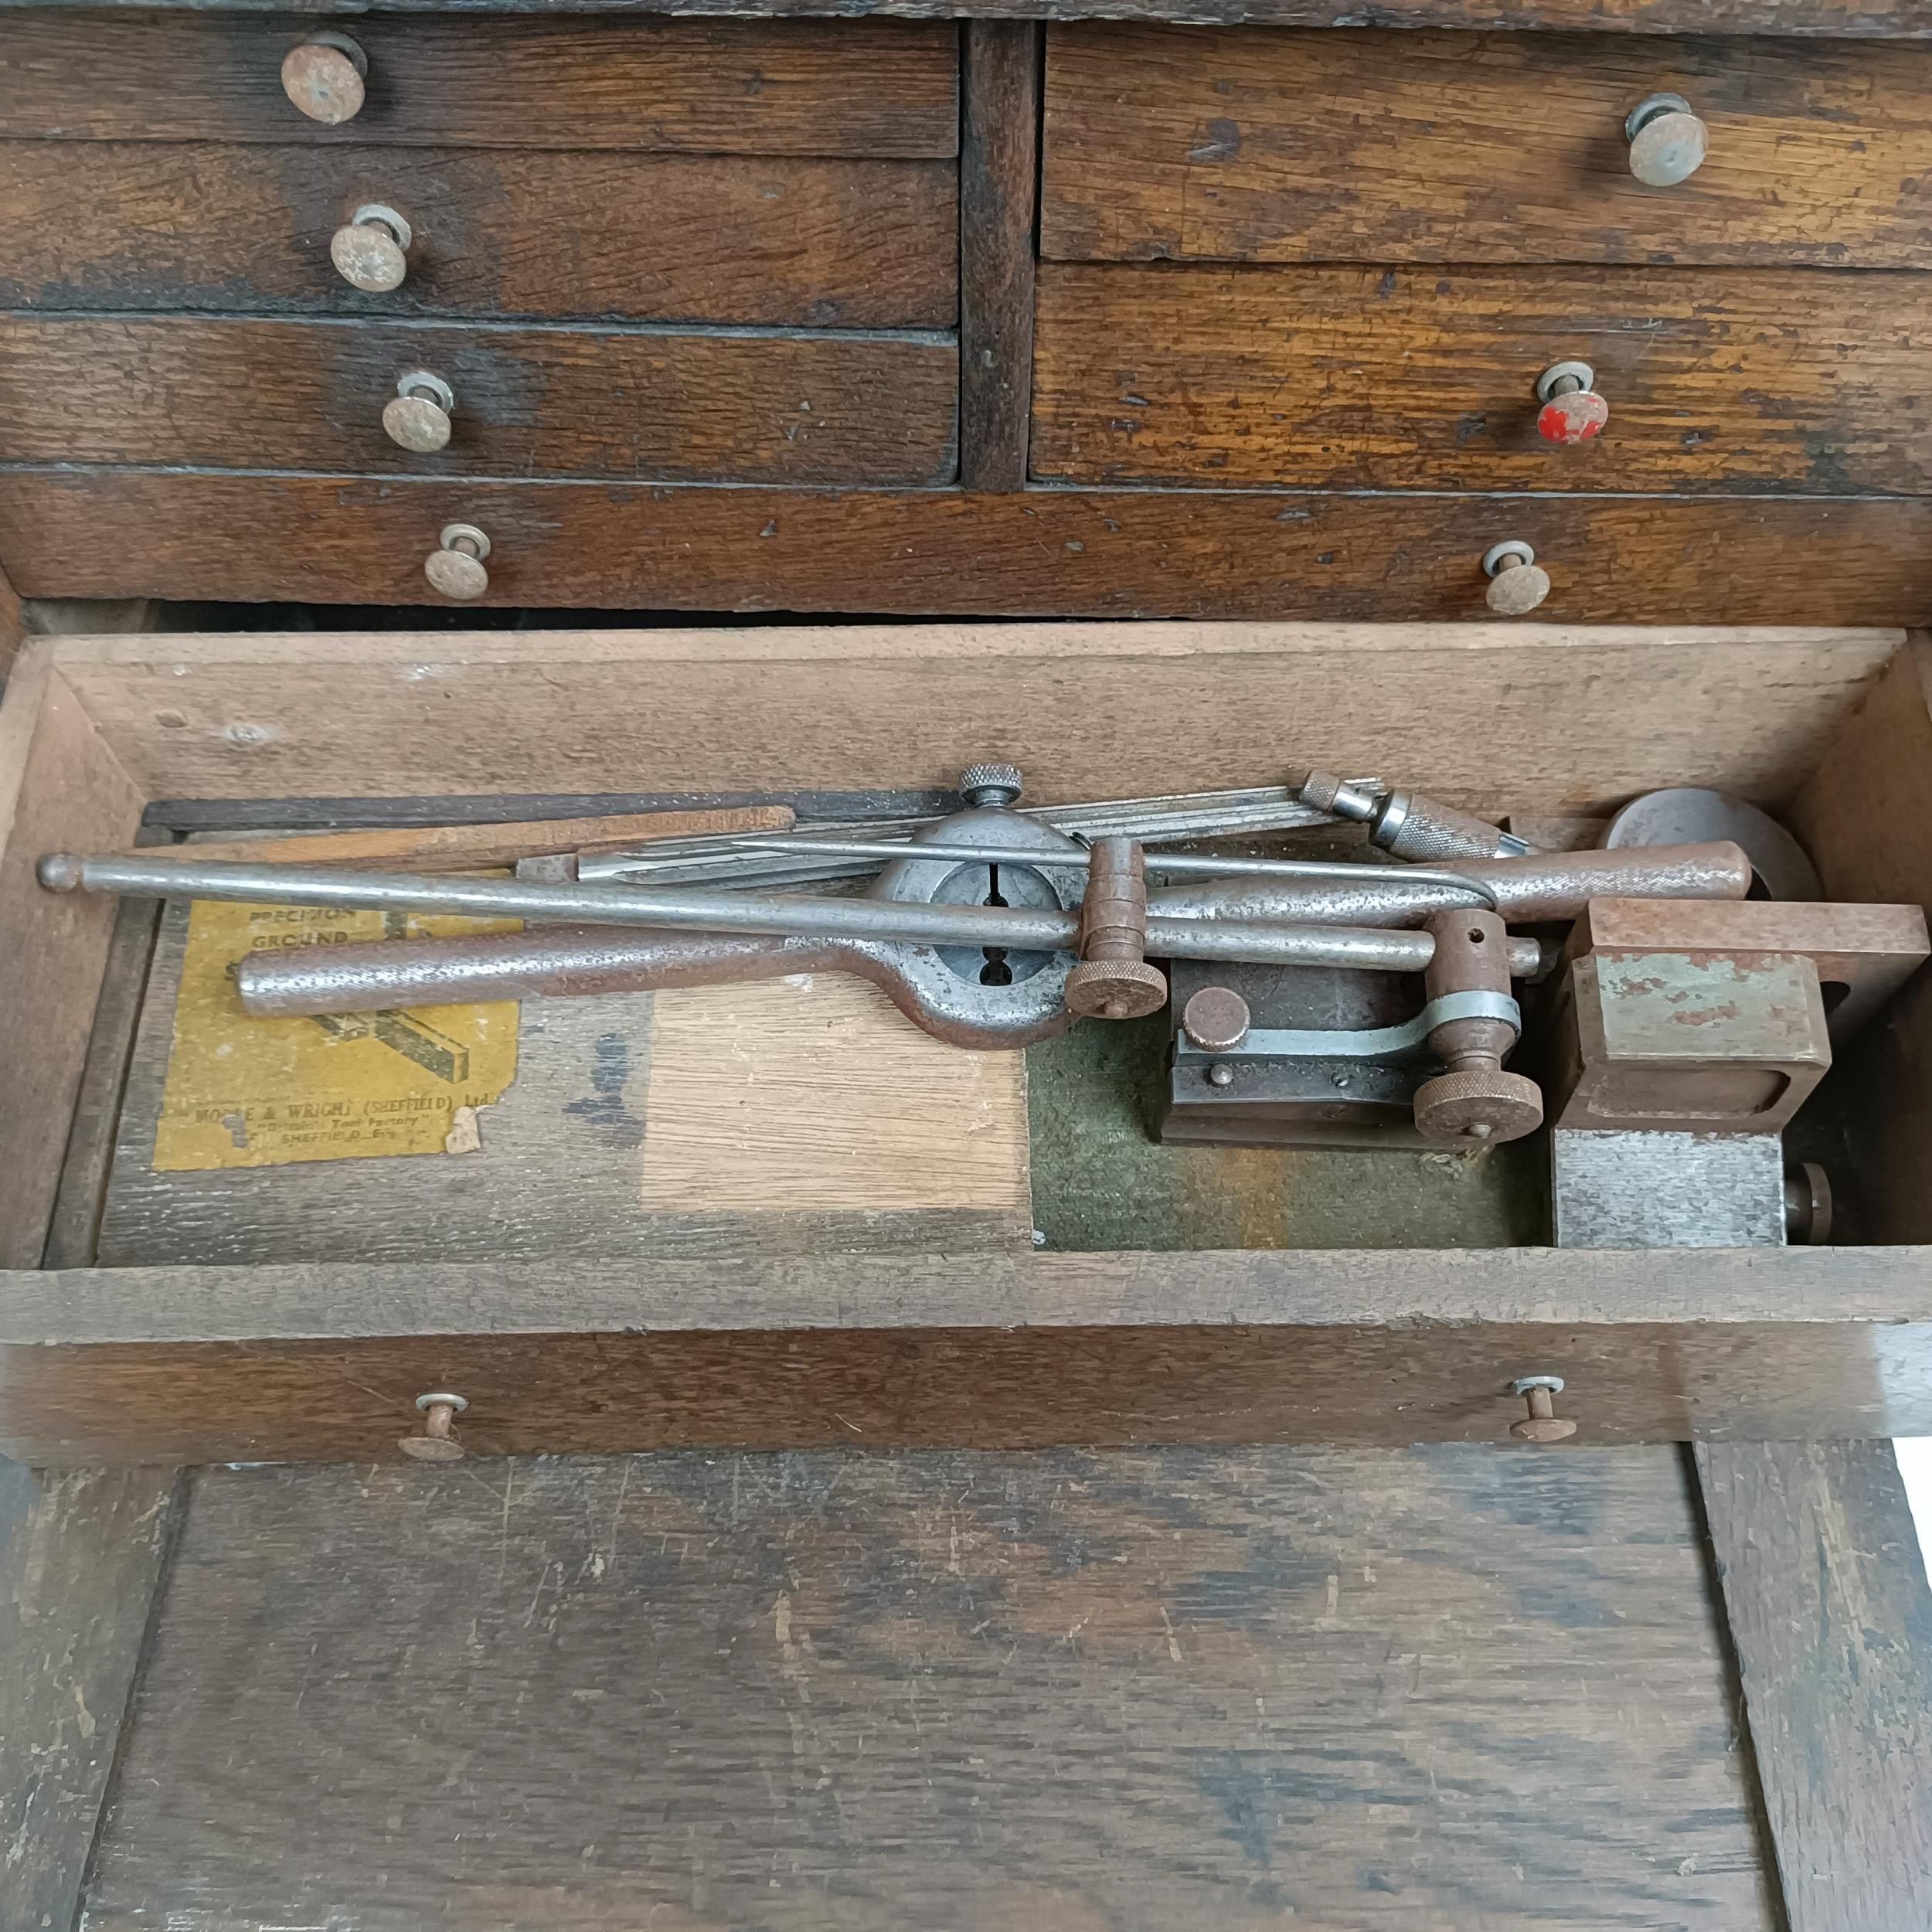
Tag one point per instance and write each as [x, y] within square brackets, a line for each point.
[455, 567]
[1667, 142]
[371, 249]
[1571, 411]
[418, 416]
[324, 78]
[1516, 584]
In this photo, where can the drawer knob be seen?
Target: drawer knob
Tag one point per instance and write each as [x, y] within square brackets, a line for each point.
[370, 250]
[1572, 411]
[1667, 142]
[418, 416]
[455, 568]
[1541, 1423]
[324, 78]
[1517, 585]
[436, 1441]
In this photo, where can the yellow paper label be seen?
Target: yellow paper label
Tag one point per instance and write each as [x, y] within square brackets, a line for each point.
[260, 1093]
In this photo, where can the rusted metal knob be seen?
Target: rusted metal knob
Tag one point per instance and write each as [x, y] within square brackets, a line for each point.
[1667, 142]
[436, 1441]
[1541, 1423]
[455, 567]
[1475, 1101]
[1114, 980]
[1517, 585]
[1216, 1019]
[324, 78]
[371, 249]
[1572, 411]
[418, 418]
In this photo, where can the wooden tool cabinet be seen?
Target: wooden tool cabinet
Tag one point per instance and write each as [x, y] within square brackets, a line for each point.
[921, 316]
[1177, 1571]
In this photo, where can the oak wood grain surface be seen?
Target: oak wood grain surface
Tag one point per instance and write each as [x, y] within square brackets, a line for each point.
[1498, 717]
[1728, 380]
[998, 178]
[971, 1350]
[1879, 774]
[58, 781]
[496, 232]
[961, 1692]
[1061, 553]
[83, 1555]
[695, 86]
[802, 409]
[1831, 1618]
[1444, 147]
[1803, 19]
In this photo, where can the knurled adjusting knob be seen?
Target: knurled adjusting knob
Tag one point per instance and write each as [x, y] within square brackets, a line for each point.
[1517, 583]
[1114, 980]
[1571, 410]
[990, 784]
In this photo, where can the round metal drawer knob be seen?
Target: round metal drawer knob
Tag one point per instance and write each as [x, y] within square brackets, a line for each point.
[437, 1440]
[418, 418]
[371, 249]
[1571, 410]
[324, 78]
[455, 568]
[1517, 584]
[1667, 142]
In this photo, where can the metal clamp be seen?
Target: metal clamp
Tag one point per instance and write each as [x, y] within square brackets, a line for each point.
[1375, 1043]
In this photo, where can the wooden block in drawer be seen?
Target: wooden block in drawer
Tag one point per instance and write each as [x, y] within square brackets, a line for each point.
[1724, 379]
[833, 242]
[694, 87]
[697, 406]
[1269, 145]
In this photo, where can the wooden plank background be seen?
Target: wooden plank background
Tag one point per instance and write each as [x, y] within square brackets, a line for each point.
[972, 1693]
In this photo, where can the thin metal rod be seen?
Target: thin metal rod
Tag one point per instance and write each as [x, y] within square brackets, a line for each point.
[799, 916]
[1182, 864]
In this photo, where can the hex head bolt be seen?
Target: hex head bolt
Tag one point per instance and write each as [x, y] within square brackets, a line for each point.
[1114, 980]
[1474, 1102]
[1541, 1423]
[436, 1441]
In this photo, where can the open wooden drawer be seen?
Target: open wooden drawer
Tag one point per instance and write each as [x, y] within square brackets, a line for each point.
[986, 1342]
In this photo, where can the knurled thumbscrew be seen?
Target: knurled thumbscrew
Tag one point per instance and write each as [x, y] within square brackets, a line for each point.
[990, 784]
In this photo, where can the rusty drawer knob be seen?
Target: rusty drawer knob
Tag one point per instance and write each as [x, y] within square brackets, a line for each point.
[436, 1441]
[371, 249]
[455, 567]
[324, 77]
[1667, 142]
[418, 416]
[1517, 585]
[1572, 411]
[1541, 1423]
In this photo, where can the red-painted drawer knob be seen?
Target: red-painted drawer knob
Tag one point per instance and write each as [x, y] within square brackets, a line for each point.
[1571, 410]
[1667, 142]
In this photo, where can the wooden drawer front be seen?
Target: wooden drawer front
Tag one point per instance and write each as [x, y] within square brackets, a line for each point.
[309, 396]
[694, 87]
[661, 238]
[1125, 553]
[1361, 377]
[1261, 145]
